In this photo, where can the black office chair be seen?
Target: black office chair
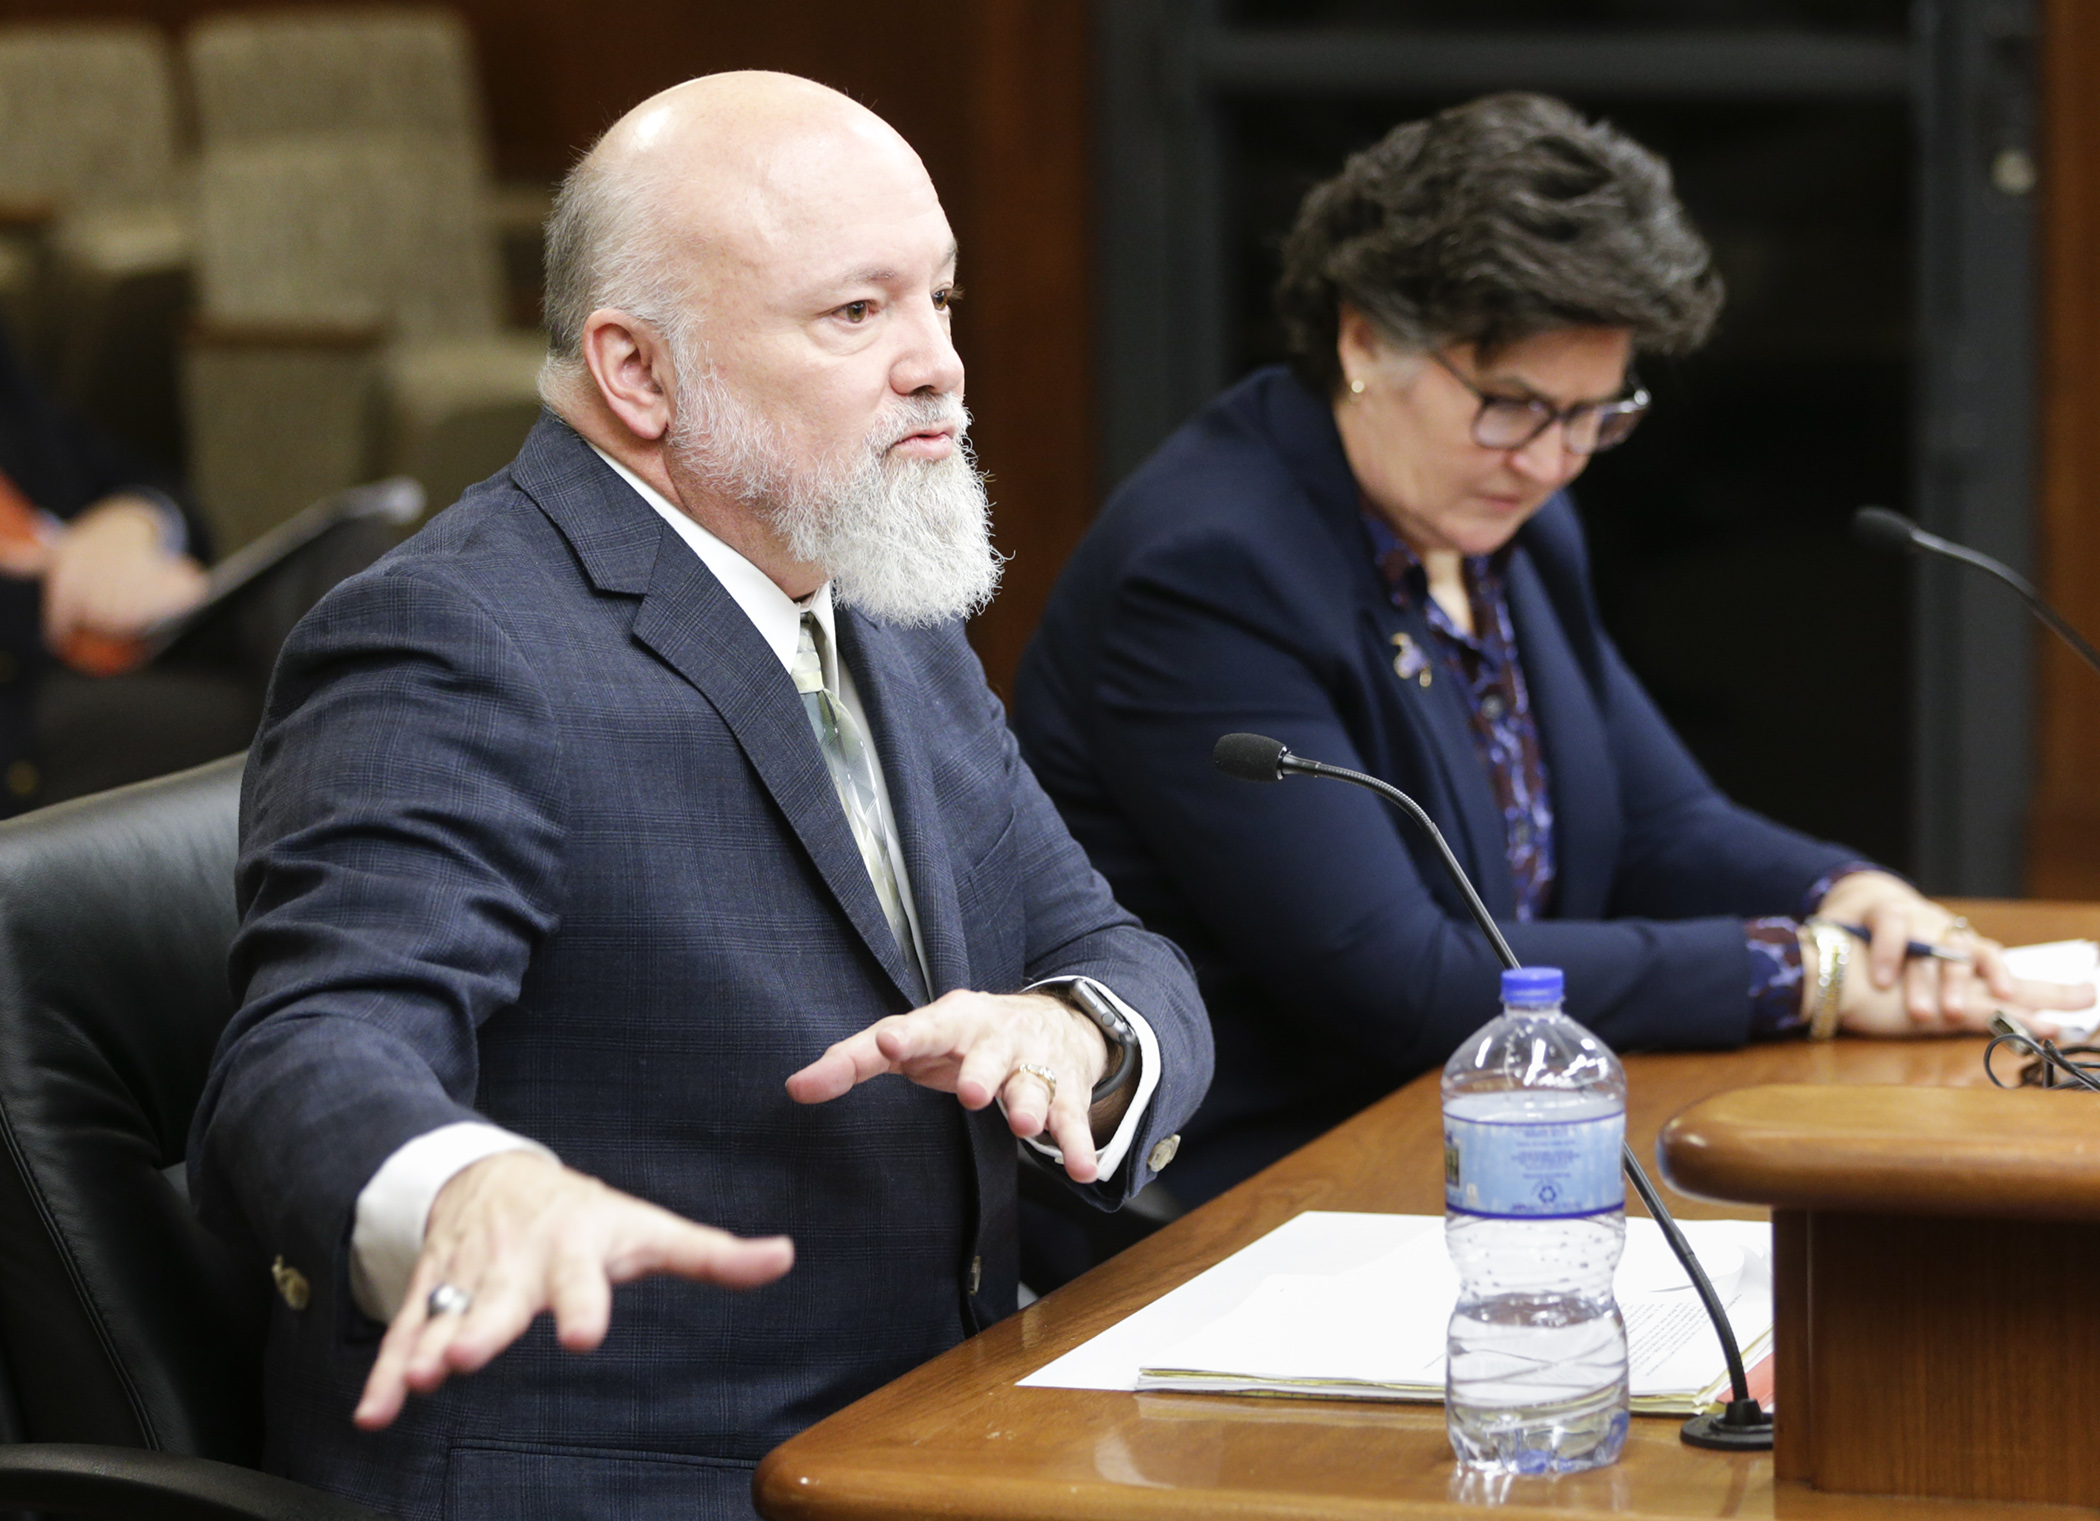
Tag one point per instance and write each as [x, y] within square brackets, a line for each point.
[130, 1338]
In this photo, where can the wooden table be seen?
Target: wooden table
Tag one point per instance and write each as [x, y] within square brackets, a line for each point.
[957, 1438]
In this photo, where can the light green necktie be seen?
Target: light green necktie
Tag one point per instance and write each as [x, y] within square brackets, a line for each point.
[853, 775]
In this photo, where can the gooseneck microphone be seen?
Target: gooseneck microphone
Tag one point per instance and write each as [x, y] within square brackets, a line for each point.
[1879, 528]
[1257, 758]
[1743, 1425]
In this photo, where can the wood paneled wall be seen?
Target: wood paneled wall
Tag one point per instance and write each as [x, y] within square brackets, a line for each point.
[2064, 839]
[994, 97]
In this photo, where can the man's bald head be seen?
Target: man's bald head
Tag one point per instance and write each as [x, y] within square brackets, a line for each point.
[750, 281]
[718, 168]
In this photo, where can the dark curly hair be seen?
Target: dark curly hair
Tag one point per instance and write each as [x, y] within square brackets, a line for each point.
[1491, 222]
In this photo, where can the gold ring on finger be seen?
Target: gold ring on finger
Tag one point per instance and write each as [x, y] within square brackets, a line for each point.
[1042, 1074]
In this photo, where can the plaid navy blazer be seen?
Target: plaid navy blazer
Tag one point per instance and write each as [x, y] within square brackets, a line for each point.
[535, 830]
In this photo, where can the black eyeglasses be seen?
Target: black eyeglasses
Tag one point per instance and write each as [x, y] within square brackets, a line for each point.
[1588, 427]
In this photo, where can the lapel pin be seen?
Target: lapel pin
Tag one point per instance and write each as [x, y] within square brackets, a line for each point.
[1409, 662]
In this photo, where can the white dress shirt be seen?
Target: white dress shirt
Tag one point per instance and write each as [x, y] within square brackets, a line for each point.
[394, 1207]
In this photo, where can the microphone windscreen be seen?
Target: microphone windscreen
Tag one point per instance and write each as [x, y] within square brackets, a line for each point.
[1249, 757]
[1879, 528]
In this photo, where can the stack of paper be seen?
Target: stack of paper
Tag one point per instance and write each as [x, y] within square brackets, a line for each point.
[1358, 1305]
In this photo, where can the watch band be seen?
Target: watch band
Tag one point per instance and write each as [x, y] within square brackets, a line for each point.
[1114, 1028]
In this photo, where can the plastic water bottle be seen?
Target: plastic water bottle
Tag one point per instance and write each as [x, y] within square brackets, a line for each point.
[1535, 1220]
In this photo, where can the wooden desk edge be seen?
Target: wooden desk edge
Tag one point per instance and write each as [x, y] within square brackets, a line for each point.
[1984, 1153]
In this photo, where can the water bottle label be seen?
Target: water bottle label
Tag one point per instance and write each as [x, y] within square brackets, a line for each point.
[1516, 1169]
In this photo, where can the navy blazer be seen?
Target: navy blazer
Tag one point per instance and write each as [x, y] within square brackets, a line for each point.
[536, 830]
[1229, 585]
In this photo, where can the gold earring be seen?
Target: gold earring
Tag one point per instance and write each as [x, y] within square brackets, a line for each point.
[1357, 387]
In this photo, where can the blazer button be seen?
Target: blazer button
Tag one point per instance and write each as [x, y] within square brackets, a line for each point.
[1163, 1153]
[291, 1284]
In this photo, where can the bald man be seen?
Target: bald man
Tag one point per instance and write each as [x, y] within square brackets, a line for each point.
[640, 888]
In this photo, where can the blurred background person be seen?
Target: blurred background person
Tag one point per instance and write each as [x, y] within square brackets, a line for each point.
[96, 549]
[1373, 557]
[267, 248]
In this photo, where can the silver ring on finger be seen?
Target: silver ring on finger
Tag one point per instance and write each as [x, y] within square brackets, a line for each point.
[1042, 1074]
[448, 1299]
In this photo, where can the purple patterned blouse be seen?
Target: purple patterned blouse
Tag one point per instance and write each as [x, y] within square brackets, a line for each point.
[1490, 680]
[1498, 706]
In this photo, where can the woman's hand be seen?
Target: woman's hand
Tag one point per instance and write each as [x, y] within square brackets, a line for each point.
[1886, 993]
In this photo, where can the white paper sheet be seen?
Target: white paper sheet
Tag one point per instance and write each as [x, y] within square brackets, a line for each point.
[1364, 1300]
[2072, 961]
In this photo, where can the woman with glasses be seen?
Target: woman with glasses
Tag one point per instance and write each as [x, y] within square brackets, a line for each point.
[1371, 555]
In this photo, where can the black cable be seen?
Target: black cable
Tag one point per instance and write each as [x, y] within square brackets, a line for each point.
[2047, 1059]
[1738, 1379]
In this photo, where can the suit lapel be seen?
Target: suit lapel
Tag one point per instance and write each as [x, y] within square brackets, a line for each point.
[890, 695]
[1573, 740]
[1439, 716]
[1301, 427]
[699, 631]
[894, 703]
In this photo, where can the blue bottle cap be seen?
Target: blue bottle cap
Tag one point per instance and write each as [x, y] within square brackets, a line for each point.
[1532, 985]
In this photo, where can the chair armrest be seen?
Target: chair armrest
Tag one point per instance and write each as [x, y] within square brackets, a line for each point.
[69, 1479]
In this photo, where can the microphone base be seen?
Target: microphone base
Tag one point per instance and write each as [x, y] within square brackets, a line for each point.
[1720, 1434]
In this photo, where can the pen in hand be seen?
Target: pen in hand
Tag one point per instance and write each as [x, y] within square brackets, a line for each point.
[1913, 950]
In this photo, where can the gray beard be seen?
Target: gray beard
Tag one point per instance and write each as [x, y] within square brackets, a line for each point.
[906, 542]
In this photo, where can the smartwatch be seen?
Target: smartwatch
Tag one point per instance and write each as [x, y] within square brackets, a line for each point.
[1115, 1029]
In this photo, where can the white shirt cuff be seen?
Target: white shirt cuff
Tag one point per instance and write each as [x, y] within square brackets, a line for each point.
[1111, 1155]
[394, 1207]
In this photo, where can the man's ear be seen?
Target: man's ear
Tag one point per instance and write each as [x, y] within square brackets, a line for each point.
[630, 364]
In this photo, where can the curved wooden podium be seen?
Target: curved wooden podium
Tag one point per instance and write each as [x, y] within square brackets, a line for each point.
[1934, 1260]
[956, 1438]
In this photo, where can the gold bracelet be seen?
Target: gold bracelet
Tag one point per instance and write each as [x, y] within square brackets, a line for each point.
[1833, 954]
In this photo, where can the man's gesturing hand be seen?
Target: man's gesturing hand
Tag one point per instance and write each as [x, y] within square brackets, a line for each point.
[975, 1046]
[521, 1234]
